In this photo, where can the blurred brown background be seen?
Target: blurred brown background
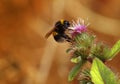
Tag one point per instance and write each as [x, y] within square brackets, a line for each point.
[27, 58]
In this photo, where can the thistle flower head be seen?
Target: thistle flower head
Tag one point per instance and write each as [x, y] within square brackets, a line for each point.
[78, 27]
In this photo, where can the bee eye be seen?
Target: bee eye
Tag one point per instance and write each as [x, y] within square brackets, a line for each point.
[66, 23]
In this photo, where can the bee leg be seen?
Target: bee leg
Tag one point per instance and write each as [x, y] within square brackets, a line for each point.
[67, 38]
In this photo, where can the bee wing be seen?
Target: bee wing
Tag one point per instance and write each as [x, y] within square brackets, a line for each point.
[49, 33]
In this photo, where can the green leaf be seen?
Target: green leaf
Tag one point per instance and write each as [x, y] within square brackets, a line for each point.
[75, 70]
[76, 59]
[100, 74]
[115, 50]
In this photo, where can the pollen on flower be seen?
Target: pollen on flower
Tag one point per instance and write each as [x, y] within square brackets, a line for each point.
[78, 27]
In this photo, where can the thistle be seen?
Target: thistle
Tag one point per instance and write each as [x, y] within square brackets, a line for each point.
[85, 49]
[78, 27]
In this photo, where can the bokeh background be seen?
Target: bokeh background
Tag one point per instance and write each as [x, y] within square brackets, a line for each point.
[26, 57]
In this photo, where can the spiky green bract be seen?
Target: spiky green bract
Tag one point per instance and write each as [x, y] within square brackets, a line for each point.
[86, 73]
[85, 77]
[84, 40]
[101, 51]
[82, 45]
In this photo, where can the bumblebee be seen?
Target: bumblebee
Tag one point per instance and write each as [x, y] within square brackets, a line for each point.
[59, 31]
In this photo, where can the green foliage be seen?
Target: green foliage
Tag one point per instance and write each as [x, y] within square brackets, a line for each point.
[76, 59]
[84, 48]
[75, 70]
[100, 74]
[115, 50]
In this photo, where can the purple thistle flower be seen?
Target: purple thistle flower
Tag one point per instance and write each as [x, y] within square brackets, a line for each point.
[78, 27]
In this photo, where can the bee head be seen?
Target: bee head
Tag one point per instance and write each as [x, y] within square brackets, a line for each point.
[62, 24]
